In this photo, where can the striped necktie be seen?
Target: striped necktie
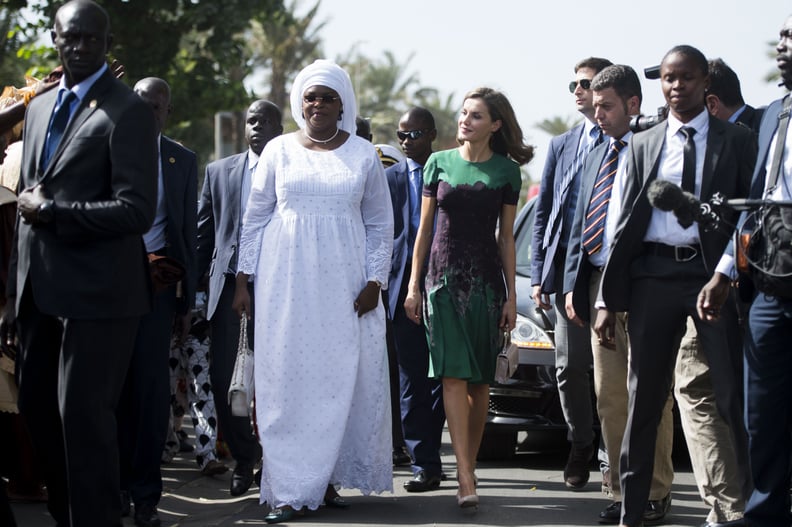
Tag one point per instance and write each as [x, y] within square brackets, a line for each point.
[594, 225]
[558, 203]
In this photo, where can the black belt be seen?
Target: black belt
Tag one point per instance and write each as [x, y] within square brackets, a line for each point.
[680, 253]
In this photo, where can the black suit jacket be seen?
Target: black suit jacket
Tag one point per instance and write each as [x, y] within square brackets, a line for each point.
[180, 180]
[751, 117]
[218, 223]
[90, 262]
[728, 163]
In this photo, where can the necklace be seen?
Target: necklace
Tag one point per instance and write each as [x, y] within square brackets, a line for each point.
[320, 141]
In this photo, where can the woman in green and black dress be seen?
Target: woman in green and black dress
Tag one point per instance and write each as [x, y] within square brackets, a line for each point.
[469, 286]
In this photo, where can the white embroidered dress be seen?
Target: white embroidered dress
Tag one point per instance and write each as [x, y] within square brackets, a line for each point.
[318, 226]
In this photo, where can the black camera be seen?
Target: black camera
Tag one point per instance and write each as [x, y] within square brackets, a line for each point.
[639, 123]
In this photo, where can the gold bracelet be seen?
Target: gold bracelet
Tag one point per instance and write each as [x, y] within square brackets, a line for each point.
[28, 95]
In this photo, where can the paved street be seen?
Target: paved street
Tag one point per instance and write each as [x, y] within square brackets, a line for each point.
[528, 490]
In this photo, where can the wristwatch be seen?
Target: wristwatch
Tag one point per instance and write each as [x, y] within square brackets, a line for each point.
[45, 213]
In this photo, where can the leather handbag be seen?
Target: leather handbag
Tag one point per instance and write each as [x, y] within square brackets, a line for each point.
[165, 271]
[508, 360]
[240, 391]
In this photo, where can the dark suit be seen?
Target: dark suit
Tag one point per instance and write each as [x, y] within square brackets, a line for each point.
[573, 347]
[751, 117]
[660, 292]
[145, 403]
[422, 414]
[218, 240]
[81, 286]
[768, 376]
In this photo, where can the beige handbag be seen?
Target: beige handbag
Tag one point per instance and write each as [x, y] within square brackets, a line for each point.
[508, 360]
[240, 391]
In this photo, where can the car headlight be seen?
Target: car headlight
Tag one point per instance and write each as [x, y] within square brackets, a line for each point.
[526, 334]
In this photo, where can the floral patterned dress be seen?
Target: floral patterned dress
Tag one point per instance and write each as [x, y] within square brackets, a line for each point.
[465, 288]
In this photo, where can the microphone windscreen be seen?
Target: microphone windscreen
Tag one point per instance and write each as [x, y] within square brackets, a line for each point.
[664, 195]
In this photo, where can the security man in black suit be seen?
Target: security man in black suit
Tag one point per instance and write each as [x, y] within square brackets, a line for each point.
[657, 266]
[88, 192]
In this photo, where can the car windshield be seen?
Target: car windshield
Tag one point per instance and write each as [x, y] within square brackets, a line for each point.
[522, 238]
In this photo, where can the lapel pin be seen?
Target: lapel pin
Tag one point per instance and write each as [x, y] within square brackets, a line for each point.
[92, 104]
[171, 160]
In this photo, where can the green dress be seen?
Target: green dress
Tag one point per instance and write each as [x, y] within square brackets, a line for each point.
[465, 287]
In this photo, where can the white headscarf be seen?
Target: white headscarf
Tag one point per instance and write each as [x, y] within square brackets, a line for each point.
[329, 74]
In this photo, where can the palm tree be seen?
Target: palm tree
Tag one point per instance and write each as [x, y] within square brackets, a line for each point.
[283, 44]
[557, 125]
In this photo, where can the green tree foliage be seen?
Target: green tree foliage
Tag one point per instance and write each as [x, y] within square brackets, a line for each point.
[283, 44]
[557, 125]
[198, 46]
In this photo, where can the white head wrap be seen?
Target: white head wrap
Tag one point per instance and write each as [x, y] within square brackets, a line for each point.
[329, 74]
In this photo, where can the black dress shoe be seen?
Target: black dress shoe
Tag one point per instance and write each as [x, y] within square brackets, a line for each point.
[241, 480]
[126, 503]
[146, 515]
[656, 510]
[576, 472]
[611, 515]
[401, 458]
[422, 482]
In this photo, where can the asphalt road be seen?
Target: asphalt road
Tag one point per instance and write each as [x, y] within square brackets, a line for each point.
[527, 490]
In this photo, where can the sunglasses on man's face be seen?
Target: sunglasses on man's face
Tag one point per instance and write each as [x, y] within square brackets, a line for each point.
[327, 99]
[412, 134]
[584, 83]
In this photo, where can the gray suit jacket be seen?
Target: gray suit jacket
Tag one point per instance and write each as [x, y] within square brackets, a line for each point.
[218, 223]
[90, 262]
[180, 180]
[728, 163]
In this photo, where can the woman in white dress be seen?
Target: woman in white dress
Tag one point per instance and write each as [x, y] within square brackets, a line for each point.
[317, 238]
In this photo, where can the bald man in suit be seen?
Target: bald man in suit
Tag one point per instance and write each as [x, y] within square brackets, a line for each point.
[88, 192]
[222, 206]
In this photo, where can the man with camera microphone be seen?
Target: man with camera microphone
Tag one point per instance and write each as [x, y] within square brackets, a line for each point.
[656, 266]
[768, 362]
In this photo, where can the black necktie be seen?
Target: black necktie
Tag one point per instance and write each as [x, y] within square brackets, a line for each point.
[689, 160]
[59, 122]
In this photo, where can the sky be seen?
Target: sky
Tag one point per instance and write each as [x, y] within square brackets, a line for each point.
[528, 49]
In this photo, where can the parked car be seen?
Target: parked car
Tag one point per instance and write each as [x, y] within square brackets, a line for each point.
[529, 401]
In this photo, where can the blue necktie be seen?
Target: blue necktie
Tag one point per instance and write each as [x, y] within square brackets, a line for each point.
[566, 181]
[414, 200]
[594, 225]
[58, 126]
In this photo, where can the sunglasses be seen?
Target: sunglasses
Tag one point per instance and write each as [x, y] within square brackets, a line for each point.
[584, 83]
[412, 134]
[327, 99]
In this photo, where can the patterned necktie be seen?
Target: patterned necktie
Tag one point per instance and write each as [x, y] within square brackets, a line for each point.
[58, 126]
[689, 160]
[566, 180]
[594, 226]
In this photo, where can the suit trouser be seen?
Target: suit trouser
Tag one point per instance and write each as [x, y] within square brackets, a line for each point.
[721, 471]
[663, 295]
[144, 410]
[768, 389]
[71, 374]
[573, 362]
[422, 412]
[236, 431]
[610, 385]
